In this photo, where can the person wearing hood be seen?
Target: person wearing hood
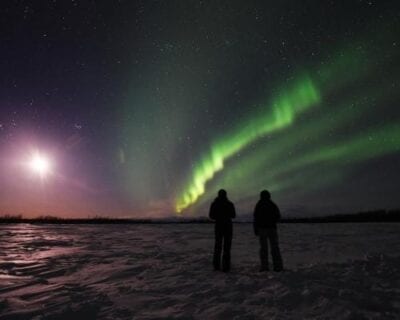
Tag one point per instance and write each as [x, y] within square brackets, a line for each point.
[222, 211]
[266, 216]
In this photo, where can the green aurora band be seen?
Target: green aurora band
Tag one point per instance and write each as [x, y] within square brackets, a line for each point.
[285, 108]
[282, 113]
[312, 135]
[376, 142]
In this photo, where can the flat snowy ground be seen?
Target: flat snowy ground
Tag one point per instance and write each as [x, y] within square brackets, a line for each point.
[333, 271]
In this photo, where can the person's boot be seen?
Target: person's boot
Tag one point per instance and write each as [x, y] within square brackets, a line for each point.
[279, 269]
[226, 265]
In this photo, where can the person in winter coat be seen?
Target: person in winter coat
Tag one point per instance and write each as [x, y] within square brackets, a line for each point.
[266, 216]
[222, 211]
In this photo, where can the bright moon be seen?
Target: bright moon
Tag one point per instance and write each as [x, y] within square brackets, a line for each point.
[40, 165]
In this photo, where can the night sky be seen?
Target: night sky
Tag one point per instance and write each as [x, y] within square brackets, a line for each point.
[147, 108]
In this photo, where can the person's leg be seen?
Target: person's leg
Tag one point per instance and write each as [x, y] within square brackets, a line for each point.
[275, 251]
[263, 237]
[226, 259]
[217, 249]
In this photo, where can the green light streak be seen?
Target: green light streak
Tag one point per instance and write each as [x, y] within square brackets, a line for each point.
[305, 135]
[282, 112]
[302, 137]
[337, 79]
[374, 143]
[333, 158]
[364, 146]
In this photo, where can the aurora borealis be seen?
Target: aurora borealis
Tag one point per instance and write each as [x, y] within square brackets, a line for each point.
[282, 112]
[148, 108]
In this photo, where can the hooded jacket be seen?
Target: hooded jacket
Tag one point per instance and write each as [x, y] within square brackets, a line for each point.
[222, 211]
[266, 214]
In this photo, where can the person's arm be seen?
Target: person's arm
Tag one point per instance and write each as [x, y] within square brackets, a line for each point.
[255, 222]
[212, 212]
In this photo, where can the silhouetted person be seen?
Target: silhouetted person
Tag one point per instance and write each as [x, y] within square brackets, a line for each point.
[266, 215]
[222, 211]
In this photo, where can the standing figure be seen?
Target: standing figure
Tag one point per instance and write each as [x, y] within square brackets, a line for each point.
[266, 215]
[222, 211]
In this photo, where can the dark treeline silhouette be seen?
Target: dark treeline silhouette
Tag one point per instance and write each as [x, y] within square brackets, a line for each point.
[367, 216]
[98, 220]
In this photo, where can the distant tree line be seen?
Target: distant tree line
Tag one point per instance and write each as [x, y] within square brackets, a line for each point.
[98, 220]
[367, 216]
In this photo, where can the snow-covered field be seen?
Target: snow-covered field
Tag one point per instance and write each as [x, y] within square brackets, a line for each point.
[333, 271]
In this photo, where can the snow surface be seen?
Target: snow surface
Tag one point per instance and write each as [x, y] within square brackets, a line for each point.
[333, 271]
